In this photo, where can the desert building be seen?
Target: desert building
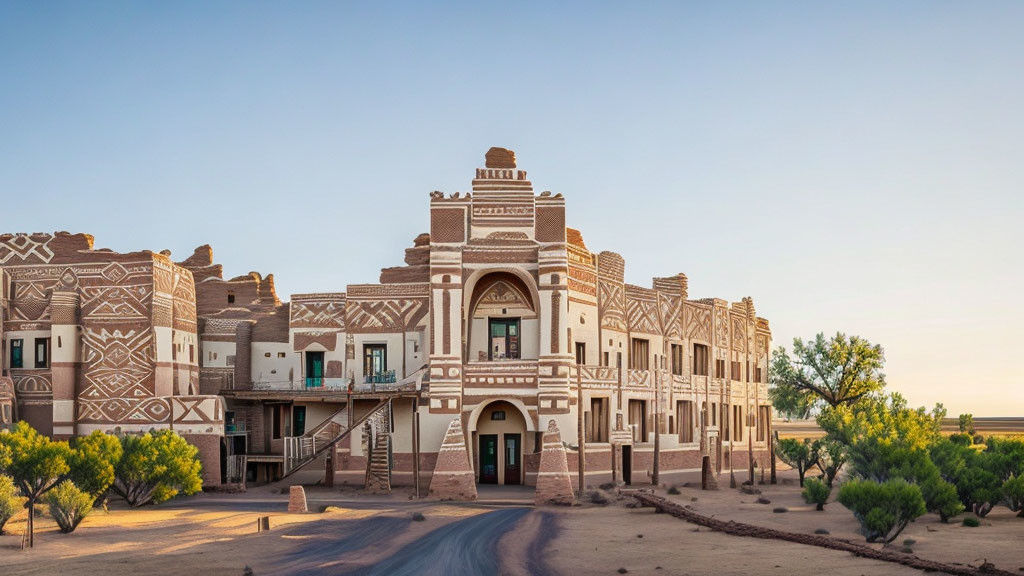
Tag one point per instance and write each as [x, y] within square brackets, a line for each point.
[503, 319]
[98, 340]
[501, 322]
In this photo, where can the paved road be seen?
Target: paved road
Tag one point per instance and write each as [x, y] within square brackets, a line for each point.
[468, 547]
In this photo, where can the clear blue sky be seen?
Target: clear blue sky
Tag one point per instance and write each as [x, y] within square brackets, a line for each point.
[852, 166]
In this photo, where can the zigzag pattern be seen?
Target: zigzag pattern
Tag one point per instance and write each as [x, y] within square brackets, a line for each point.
[117, 363]
[385, 315]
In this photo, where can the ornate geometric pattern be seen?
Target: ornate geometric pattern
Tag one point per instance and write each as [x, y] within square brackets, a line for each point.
[125, 410]
[642, 310]
[117, 302]
[32, 383]
[670, 308]
[385, 315]
[612, 306]
[328, 313]
[328, 340]
[698, 322]
[31, 301]
[23, 248]
[448, 225]
[739, 334]
[722, 327]
[117, 364]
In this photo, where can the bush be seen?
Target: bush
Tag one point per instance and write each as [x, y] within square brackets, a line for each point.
[155, 467]
[92, 462]
[821, 531]
[1013, 495]
[673, 491]
[780, 510]
[596, 497]
[798, 454]
[882, 509]
[418, 517]
[972, 522]
[68, 505]
[10, 502]
[816, 492]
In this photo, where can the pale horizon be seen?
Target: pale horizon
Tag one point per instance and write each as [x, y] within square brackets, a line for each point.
[857, 172]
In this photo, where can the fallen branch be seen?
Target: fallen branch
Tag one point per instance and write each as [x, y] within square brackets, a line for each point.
[751, 531]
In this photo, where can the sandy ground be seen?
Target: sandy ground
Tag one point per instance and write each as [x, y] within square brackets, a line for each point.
[216, 534]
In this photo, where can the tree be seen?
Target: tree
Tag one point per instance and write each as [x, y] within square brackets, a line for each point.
[155, 467]
[882, 509]
[966, 422]
[816, 492]
[831, 457]
[10, 502]
[789, 401]
[1013, 495]
[840, 371]
[37, 465]
[68, 505]
[92, 463]
[1005, 456]
[798, 454]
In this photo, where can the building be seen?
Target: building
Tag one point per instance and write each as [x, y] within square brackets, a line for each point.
[500, 312]
[501, 321]
[97, 340]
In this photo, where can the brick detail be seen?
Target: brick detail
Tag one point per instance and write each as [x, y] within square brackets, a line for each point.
[297, 499]
[553, 483]
[453, 477]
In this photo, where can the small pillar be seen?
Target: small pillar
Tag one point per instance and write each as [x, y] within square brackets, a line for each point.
[297, 499]
[553, 483]
[453, 477]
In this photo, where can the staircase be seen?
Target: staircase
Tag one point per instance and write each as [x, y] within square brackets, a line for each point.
[377, 433]
[314, 446]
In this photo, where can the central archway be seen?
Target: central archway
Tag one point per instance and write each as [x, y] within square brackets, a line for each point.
[499, 431]
[500, 315]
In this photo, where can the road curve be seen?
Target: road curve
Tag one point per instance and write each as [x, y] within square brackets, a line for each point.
[465, 548]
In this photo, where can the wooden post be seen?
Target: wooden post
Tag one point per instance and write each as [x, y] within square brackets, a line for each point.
[581, 435]
[772, 435]
[415, 448]
[656, 473]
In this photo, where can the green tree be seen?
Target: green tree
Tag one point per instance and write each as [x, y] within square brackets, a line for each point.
[966, 422]
[155, 467]
[68, 505]
[1013, 495]
[838, 371]
[1005, 456]
[10, 502]
[882, 509]
[798, 454]
[37, 465]
[92, 463]
[831, 457]
[816, 492]
[789, 401]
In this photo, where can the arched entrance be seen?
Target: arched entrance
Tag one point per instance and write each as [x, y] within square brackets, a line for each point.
[498, 436]
[501, 317]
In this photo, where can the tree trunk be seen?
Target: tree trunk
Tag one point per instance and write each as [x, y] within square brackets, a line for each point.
[821, 507]
[31, 525]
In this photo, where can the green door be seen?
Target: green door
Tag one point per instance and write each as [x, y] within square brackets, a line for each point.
[488, 458]
[314, 369]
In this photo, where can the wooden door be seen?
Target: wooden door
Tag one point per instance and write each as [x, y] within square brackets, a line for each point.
[488, 458]
[513, 458]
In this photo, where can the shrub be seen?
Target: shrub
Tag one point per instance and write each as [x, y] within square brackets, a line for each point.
[673, 491]
[418, 517]
[780, 510]
[882, 509]
[972, 522]
[68, 505]
[596, 497]
[155, 467]
[816, 492]
[92, 462]
[1013, 495]
[37, 464]
[798, 454]
[821, 531]
[10, 502]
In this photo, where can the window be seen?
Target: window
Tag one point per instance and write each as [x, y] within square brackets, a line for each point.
[42, 352]
[737, 423]
[759, 375]
[639, 354]
[276, 421]
[504, 339]
[638, 419]
[719, 368]
[375, 359]
[231, 298]
[714, 413]
[191, 353]
[700, 360]
[735, 371]
[281, 355]
[605, 359]
[581, 353]
[763, 417]
[498, 415]
[684, 416]
[596, 420]
[677, 359]
[17, 357]
[299, 420]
